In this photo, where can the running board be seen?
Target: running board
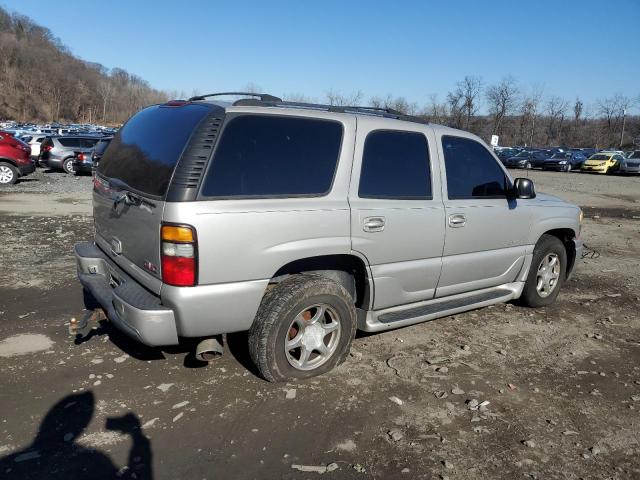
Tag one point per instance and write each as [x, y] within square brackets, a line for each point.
[395, 317]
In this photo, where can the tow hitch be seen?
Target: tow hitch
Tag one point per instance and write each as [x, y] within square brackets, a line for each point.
[90, 319]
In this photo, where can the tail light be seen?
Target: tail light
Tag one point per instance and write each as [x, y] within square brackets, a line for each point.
[47, 148]
[81, 157]
[179, 255]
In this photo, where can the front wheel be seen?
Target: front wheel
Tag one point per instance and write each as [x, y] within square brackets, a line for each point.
[528, 166]
[8, 174]
[546, 273]
[567, 168]
[304, 327]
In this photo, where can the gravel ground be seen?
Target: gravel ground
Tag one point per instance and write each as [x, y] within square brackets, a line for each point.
[44, 180]
[562, 383]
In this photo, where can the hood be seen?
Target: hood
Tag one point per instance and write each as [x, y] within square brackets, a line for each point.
[545, 197]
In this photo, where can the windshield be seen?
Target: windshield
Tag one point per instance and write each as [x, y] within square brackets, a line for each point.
[559, 155]
[599, 157]
[523, 154]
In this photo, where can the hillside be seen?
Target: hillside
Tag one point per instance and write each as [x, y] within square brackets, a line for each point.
[40, 80]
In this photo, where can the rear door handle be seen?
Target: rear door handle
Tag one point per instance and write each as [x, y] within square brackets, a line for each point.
[373, 224]
[457, 220]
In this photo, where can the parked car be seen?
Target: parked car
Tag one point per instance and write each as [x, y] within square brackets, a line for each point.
[564, 162]
[87, 162]
[57, 152]
[631, 164]
[602, 162]
[35, 142]
[302, 223]
[15, 159]
[527, 159]
[507, 153]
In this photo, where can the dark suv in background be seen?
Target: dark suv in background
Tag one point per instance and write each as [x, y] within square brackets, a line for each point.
[58, 152]
[87, 162]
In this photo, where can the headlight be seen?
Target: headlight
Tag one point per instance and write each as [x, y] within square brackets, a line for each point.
[562, 162]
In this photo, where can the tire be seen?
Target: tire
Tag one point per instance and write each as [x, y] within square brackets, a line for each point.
[286, 309]
[67, 166]
[8, 174]
[547, 247]
[528, 166]
[567, 168]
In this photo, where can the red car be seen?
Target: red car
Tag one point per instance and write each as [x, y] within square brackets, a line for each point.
[15, 159]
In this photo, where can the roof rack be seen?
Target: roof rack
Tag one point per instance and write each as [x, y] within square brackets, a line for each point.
[262, 96]
[374, 111]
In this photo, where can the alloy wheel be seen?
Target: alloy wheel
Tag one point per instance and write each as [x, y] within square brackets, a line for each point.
[312, 337]
[6, 174]
[548, 275]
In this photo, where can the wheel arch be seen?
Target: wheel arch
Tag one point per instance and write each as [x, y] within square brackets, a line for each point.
[566, 236]
[349, 270]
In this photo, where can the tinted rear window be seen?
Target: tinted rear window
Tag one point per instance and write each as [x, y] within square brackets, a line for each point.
[69, 142]
[146, 149]
[274, 156]
[102, 146]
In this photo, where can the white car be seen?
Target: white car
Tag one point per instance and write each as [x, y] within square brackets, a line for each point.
[34, 143]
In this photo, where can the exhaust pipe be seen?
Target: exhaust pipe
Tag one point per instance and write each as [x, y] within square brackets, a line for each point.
[209, 349]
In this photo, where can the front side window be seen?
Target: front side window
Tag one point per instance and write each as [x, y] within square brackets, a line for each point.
[274, 156]
[395, 165]
[472, 172]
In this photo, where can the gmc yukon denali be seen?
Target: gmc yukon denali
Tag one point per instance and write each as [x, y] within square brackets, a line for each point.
[301, 223]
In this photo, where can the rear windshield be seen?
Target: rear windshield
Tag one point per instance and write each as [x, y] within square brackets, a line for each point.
[274, 156]
[146, 149]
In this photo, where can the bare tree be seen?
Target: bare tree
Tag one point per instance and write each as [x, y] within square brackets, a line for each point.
[501, 100]
[556, 109]
[336, 98]
[105, 90]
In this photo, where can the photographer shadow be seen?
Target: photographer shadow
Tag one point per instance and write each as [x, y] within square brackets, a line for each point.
[56, 454]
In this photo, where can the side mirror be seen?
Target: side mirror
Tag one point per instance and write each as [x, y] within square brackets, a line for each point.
[523, 188]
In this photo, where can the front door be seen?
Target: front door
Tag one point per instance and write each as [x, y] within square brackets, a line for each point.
[397, 215]
[486, 232]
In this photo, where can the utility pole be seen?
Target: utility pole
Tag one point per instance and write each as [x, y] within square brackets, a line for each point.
[624, 117]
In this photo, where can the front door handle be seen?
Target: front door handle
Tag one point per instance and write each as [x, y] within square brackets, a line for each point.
[457, 220]
[373, 224]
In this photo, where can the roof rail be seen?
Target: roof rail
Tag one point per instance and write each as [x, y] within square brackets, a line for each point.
[375, 111]
[262, 96]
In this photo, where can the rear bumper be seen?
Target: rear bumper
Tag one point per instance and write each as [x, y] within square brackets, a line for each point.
[82, 167]
[129, 306]
[26, 169]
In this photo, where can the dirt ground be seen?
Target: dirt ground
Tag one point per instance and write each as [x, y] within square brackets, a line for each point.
[562, 383]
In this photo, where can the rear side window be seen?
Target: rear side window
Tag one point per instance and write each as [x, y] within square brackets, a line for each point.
[69, 142]
[272, 156]
[395, 165]
[88, 142]
[472, 172]
[147, 148]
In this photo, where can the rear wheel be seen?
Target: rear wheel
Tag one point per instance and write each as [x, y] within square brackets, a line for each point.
[8, 174]
[67, 166]
[546, 274]
[304, 327]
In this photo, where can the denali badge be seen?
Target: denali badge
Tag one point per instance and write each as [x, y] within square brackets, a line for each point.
[150, 266]
[116, 246]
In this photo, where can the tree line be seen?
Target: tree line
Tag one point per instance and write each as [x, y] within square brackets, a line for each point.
[40, 80]
[517, 115]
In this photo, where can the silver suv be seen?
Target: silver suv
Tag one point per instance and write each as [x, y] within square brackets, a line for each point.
[302, 223]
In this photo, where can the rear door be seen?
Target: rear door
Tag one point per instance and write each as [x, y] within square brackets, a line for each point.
[131, 184]
[397, 216]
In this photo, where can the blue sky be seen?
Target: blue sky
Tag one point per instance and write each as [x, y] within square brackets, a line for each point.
[412, 49]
